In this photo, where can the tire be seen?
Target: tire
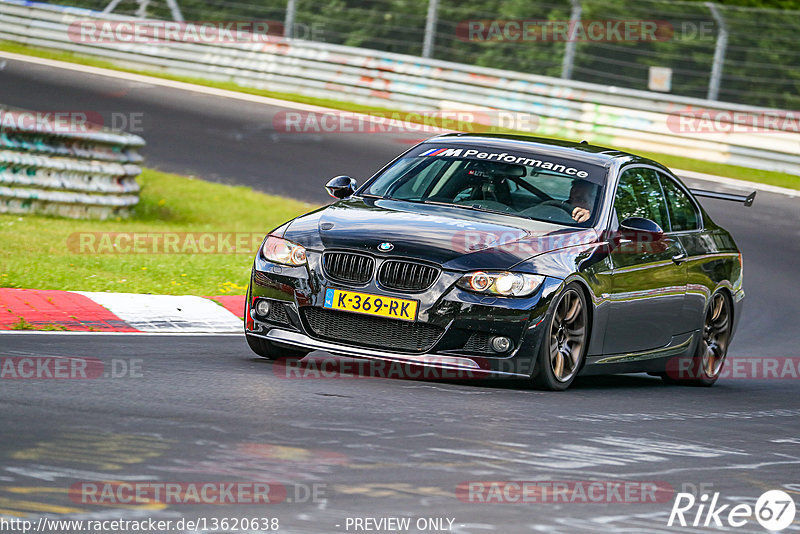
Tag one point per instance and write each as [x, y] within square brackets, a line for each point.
[564, 345]
[267, 350]
[709, 357]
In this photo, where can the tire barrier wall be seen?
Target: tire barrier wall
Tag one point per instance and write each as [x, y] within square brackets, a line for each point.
[46, 168]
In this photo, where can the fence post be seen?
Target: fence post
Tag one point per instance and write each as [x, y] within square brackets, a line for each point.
[569, 48]
[719, 53]
[141, 11]
[111, 6]
[430, 28]
[175, 10]
[288, 22]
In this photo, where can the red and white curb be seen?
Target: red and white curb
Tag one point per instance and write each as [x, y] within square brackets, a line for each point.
[36, 309]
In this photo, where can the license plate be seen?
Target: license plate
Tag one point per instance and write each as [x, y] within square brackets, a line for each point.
[381, 306]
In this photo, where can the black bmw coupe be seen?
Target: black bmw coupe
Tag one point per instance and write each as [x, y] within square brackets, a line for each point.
[509, 256]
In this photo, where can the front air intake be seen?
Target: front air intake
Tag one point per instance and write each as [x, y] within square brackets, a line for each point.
[407, 275]
[348, 268]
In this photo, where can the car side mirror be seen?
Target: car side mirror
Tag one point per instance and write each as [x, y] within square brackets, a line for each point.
[341, 186]
[640, 229]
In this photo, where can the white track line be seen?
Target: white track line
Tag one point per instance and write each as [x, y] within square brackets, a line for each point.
[224, 93]
[152, 80]
[211, 91]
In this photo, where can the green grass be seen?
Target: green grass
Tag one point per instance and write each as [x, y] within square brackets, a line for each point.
[43, 252]
[780, 179]
[22, 324]
[732, 171]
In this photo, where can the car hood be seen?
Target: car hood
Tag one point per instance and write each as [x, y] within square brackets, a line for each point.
[456, 238]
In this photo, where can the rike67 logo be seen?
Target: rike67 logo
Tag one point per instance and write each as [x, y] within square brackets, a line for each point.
[774, 510]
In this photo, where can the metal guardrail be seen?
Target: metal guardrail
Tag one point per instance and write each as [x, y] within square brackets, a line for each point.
[51, 169]
[636, 120]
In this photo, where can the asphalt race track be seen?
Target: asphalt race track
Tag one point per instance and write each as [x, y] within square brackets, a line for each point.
[194, 134]
[204, 409]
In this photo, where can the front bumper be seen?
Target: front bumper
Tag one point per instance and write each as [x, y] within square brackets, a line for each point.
[289, 338]
[461, 320]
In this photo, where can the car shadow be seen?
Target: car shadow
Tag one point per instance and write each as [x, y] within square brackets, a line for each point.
[639, 380]
[322, 366]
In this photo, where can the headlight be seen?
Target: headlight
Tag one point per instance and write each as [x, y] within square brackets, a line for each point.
[505, 284]
[279, 250]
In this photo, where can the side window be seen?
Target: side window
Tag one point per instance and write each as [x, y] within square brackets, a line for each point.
[639, 195]
[682, 213]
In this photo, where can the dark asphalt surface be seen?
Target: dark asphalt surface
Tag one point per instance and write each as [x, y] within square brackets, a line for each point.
[205, 409]
[215, 138]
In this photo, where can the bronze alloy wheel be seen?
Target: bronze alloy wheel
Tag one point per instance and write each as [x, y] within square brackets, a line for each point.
[565, 344]
[709, 358]
[716, 334]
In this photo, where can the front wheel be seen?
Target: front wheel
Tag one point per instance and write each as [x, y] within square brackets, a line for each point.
[565, 341]
[706, 365]
[267, 350]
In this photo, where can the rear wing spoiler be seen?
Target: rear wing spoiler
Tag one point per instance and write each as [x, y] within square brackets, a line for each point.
[746, 199]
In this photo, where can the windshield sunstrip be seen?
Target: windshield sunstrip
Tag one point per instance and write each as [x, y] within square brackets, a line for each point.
[592, 173]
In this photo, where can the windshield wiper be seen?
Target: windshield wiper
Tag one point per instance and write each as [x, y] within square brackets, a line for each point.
[490, 210]
[451, 205]
[474, 207]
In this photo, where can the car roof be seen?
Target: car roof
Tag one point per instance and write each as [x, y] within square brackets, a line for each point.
[582, 151]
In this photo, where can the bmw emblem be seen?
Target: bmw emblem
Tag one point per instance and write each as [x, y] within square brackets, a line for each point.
[385, 247]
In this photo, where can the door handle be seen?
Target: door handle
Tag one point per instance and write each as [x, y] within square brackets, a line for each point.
[679, 258]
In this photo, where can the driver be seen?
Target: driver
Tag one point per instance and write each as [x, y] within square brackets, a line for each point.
[581, 197]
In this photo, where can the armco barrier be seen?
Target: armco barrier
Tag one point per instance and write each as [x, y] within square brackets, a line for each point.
[604, 115]
[78, 174]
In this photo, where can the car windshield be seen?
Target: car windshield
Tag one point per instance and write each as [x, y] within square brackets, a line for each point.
[509, 188]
